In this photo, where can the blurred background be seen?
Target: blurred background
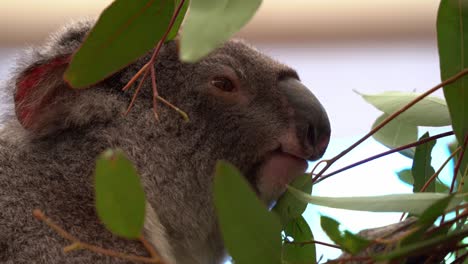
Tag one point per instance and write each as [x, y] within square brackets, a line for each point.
[337, 46]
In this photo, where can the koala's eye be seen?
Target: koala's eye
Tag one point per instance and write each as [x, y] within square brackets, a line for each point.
[223, 83]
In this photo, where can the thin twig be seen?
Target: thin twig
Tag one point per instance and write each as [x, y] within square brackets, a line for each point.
[150, 249]
[390, 118]
[77, 244]
[313, 242]
[464, 214]
[414, 144]
[349, 259]
[155, 92]
[135, 77]
[432, 178]
[145, 69]
[458, 164]
[135, 95]
[461, 259]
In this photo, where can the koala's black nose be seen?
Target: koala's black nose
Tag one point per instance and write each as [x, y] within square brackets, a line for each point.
[311, 121]
[317, 139]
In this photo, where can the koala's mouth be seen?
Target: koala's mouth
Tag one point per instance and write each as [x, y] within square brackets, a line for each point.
[277, 170]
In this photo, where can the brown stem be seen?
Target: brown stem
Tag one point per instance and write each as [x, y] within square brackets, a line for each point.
[458, 164]
[439, 170]
[155, 92]
[77, 244]
[150, 249]
[351, 259]
[313, 242]
[461, 259]
[135, 95]
[463, 215]
[145, 69]
[417, 143]
[390, 118]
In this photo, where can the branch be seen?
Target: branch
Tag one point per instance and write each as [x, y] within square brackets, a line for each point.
[387, 120]
[77, 244]
[383, 154]
[312, 242]
[146, 69]
[457, 166]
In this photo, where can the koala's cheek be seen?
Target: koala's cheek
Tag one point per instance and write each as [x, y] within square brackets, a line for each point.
[276, 172]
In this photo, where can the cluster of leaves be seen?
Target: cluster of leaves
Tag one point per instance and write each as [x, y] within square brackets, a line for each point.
[128, 29]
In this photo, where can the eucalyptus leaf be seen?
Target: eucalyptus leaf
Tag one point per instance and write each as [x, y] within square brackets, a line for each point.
[407, 177]
[120, 199]
[348, 241]
[295, 252]
[180, 18]
[250, 232]
[427, 219]
[422, 170]
[125, 31]
[288, 206]
[414, 203]
[396, 134]
[211, 22]
[452, 36]
[426, 244]
[430, 111]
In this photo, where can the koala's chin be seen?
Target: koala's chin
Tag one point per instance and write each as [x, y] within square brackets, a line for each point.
[275, 172]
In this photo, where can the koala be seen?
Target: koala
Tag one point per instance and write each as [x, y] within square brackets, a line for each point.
[244, 107]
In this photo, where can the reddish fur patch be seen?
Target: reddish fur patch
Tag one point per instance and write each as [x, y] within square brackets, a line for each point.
[30, 82]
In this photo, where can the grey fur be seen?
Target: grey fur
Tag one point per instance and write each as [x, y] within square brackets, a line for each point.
[50, 164]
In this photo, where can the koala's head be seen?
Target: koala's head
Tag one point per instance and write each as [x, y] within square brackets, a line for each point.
[244, 107]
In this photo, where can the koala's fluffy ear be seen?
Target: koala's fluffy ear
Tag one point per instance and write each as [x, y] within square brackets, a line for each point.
[37, 87]
[45, 103]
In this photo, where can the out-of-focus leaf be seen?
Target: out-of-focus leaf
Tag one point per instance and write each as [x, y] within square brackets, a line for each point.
[395, 134]
[414, 203]
[427, 219]
[422, 169]
[120, 199]
[452, 36]
[424, 245]
[288, 206]
[348, 241]
[180, 18]
[125, 31]
[300, 231]
[406, 177]
[211, 22]
[431, 111]
[250, 232]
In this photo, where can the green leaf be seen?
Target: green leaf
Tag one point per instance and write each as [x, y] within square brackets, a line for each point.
[348, 241]
[288, 206]
[422, 169]
[430, 111]
[452, 36]
[179, 19]
[211, 22]
[251, 233]
[414, 203]
[427, 219]
[300, 231]
[427, 244]
[395, 134]
[407, 177]
[120, 199]
[125, 31]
